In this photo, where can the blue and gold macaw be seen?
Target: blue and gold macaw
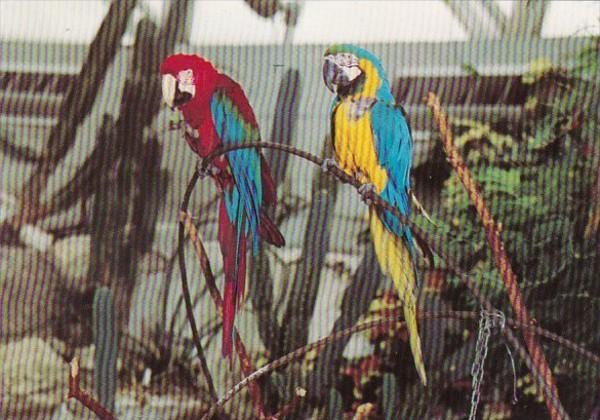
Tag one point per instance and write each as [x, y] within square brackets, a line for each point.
[372, 142]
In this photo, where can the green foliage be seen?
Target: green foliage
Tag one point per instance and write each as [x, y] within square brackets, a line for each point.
[538, 185]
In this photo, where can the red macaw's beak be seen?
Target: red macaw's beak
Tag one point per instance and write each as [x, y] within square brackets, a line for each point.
[174, 93]
[169, 87]
[336, 75]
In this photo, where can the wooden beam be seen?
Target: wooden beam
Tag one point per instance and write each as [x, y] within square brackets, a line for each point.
[496, 14]
[474, 18]
[527, 19]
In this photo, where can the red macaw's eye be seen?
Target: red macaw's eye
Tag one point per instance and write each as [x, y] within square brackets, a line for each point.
[186, 77]
[186, 88]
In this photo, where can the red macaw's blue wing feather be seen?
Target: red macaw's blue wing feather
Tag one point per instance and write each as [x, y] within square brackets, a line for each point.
[241, 216]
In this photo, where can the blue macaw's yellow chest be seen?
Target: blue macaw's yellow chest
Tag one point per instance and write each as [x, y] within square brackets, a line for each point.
[354, 143]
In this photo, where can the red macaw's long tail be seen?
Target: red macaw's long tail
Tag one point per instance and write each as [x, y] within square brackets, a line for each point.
[234, 267]
[268, 231]
[233, 249]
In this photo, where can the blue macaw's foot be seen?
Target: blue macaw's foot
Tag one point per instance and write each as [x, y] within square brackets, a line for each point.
[367, 192]
[329, 163]
[206, 170]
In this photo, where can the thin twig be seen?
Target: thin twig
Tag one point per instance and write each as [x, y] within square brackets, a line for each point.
[501, 258]
[246, 364]
[560, 340]
[83, 396]
[394, 319]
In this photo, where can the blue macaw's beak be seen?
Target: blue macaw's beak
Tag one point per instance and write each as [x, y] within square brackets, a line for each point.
[331, 72]
[336, 75]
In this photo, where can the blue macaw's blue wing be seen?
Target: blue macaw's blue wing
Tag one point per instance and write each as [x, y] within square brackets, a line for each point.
[244, 201]
[393, 145]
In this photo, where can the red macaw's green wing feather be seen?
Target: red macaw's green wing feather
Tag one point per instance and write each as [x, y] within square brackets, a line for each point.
[242, 216]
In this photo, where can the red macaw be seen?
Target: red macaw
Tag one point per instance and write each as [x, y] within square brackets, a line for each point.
[217, 113]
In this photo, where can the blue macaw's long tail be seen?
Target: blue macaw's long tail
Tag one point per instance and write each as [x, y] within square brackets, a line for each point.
[396, 259]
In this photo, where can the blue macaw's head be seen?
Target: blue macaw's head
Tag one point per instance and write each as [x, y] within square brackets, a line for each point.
[349, 70]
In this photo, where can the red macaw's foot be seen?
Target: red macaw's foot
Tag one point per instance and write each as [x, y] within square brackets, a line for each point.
[368, 193]
[206, 170]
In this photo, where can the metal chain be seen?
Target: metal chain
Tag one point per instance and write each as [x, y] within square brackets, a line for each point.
[486, 322]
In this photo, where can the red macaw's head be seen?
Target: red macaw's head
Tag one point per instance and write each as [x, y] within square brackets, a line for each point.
[184, 77]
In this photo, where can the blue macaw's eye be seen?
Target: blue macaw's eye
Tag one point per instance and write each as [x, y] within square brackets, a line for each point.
[347, 60]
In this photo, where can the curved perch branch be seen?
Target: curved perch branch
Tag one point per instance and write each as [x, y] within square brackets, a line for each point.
[421, 236]
[186, 225]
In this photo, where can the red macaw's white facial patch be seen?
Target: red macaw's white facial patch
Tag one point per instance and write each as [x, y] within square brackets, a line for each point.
[185, 80]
